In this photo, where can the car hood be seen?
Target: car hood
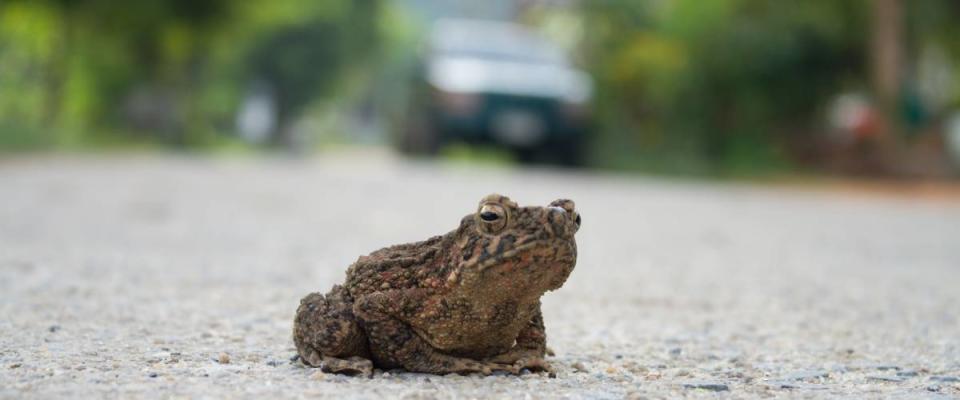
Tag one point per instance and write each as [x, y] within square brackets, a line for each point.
[478, 75]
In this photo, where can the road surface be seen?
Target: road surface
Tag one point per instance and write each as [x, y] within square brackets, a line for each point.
[171, 276]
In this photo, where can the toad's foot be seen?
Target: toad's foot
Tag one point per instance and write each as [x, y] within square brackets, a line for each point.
[352, 366]
[516, 368]
[531, 359]
[534, 364]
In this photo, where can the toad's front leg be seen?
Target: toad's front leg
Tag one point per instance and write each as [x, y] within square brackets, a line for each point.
[394, 343]
[530, 348]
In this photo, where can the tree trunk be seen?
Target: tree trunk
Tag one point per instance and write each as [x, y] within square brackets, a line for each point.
[887, 62]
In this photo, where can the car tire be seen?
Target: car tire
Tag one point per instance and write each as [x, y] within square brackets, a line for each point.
[567, 153]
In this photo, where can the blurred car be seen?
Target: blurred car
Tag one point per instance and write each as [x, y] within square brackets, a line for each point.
[487, 82]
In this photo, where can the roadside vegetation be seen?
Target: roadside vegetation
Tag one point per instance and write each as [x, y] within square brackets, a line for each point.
[719, 88]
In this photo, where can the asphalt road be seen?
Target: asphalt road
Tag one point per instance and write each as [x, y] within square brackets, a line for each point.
[164, 276]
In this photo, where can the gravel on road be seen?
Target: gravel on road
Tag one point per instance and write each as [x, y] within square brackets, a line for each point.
[172, 276]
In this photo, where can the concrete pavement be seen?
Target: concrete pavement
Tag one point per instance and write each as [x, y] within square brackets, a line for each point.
[167, 276]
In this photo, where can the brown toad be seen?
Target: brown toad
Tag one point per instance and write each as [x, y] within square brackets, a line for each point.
[467, 301]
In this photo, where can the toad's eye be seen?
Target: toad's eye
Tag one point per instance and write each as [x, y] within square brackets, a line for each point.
[578, 220]
[491, 218]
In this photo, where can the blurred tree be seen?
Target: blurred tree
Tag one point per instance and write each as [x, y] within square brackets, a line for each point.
[174, 70]
[303, 60]
[731, 82]
[99, 54]
[887, 51]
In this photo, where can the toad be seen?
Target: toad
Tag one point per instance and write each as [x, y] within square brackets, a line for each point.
[464, 302]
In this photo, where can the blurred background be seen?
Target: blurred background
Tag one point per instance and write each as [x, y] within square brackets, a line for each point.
[718, 88]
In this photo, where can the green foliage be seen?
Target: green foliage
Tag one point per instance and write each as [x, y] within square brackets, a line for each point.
[304, 59]
[718, 85]
[172, 71]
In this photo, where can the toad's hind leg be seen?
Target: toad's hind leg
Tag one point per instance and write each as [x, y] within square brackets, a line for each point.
[327, 334]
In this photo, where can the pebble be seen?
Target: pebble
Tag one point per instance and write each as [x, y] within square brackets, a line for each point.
[273, 363]
[319, 376]
[783, 385]
[224, 358]
[579, 367]
[712, 386]
[907, 373]
[53, 328]
[15, 366]
[153, 374]
[804, 375]
[887, 378]
[635, 368]
[933, 388]
[794, 385]
[941, 378]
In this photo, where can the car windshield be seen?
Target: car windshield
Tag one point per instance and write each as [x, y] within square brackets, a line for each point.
[492, 40]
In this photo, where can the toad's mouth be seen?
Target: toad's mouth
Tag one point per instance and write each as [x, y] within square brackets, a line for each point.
[559, 251]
